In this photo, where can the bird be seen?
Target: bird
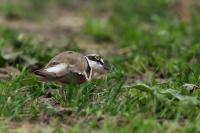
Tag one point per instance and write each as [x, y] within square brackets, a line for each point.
[71, 67]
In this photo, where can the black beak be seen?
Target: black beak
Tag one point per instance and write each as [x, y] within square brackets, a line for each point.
[107, 66]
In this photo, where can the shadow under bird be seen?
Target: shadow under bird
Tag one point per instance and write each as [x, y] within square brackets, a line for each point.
[72, 67]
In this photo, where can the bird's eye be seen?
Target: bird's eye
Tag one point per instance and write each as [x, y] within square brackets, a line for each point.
[97, 57]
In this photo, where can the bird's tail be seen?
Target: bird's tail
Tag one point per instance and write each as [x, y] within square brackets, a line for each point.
[44, 75]
[40, 73]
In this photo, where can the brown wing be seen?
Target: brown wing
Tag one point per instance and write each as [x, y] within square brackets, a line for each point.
[75, 63]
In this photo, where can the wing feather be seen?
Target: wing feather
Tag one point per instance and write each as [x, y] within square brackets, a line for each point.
[63, 64]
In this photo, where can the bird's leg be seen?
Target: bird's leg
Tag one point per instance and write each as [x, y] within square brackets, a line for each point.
[62, 92]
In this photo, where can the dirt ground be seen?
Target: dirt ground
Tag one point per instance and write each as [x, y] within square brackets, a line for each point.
[56, 26]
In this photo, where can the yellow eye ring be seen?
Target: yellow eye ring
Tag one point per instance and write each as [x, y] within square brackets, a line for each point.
[97, 57]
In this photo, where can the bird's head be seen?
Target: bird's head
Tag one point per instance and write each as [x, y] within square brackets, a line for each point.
[98, 64]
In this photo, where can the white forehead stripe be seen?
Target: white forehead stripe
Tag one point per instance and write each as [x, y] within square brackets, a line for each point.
[92, 55]
[57, 68]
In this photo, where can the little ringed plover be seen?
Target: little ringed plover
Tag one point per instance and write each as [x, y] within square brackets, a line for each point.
[72, 67]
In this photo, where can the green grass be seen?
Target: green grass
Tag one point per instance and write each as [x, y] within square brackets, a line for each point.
[30, 10]
[157, 55]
